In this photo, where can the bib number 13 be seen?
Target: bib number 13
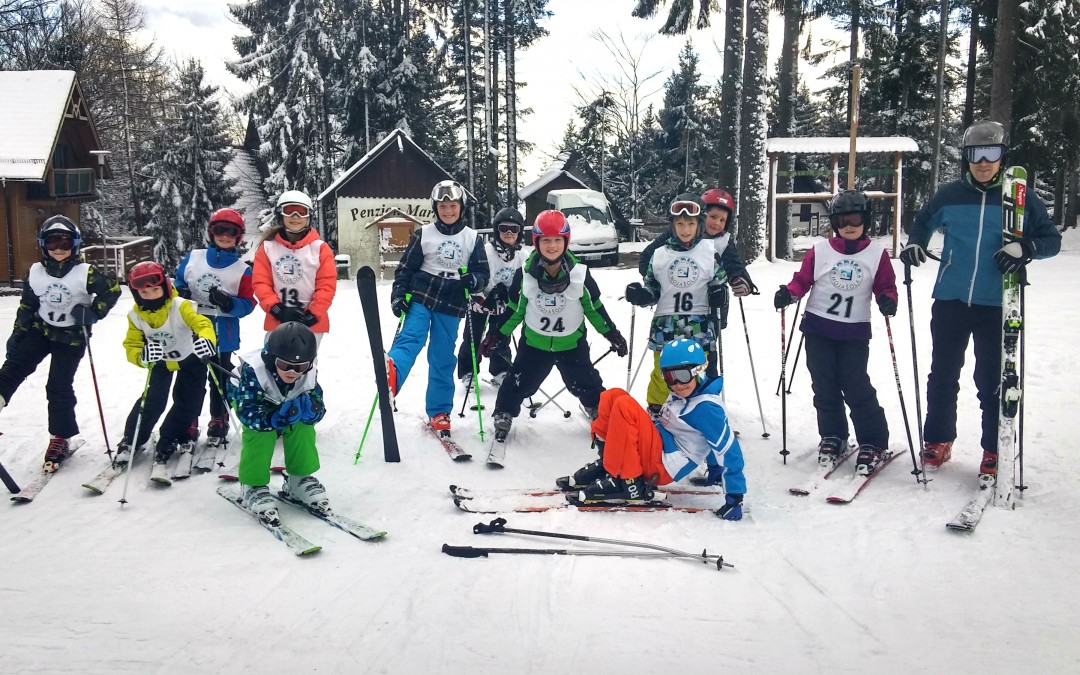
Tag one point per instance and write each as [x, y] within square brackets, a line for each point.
[290, 297]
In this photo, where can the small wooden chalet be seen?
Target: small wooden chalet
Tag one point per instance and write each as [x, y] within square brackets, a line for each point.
[569, 171]
[395, 178]
[46, 165]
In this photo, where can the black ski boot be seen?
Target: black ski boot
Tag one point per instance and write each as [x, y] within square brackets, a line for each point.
[831, 449]
[503, 421]
[619, 490]
[868, 459]
[587, 474]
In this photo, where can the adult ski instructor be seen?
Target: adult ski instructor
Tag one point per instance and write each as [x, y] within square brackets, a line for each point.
[968, 292]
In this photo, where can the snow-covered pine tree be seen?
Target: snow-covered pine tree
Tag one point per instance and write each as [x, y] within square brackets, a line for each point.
[681, 140]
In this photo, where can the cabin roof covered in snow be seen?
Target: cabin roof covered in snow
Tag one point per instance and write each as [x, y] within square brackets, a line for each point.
[35, 103]
[557, 167]
[397, 139]
[839, 145]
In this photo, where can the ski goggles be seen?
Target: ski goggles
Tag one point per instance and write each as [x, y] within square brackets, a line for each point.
[225, 230]
[692, 209]
[298, 210]
[554, 286]
[284, 365]
[680, 375]
[509, 228]
[447, 191]
[151, 280]
[59, 242]
[984, 153]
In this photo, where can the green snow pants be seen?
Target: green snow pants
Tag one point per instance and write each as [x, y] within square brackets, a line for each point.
[301, 456]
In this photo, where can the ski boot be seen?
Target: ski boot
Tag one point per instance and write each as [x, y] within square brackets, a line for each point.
[257, 499]
[307, 491]
[936, 454]
[217, 430]
[192, 433]
[497, 380]
[123, 453]
[503, 421]
[868, 459]
[57, 452]
[988, 468]
[732, 508]
[830, 450]
[583, 477]
[441, 424]
[391, 377]
[617, 490]
[164, 450]
[467, 380]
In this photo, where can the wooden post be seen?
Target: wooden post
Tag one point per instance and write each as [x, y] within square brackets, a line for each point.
[898, 201]
[770, 250]
[855, 71]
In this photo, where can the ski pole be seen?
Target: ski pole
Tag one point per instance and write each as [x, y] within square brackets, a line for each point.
[903, 407]
[498, 526]
[472, 341]
[630, 356]
[753, 372]
[475, 370]
[783, 385]
[551, 399]
[637, 369]
[915, 374]
[791, 338]
[97, 393]
[224, 399]
[135, 441]
[9, 482]
[484, 552]
[795, 363]
[375, 403]
[720, 353]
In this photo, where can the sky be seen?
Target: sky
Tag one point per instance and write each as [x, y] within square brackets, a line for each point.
[552, 66]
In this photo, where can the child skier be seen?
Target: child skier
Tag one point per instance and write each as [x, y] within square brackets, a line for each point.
[220, 284]
[691, 430]
[443, 261]
[553, 294]
[278, 395]
[63, 296]
[504, 257]
[687, 283]
[294, 276]
[841, 274]
[165, 335]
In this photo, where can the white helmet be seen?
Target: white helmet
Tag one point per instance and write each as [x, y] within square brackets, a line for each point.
[292, 197]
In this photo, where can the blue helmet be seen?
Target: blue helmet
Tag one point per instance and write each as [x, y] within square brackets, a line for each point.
[682, 352]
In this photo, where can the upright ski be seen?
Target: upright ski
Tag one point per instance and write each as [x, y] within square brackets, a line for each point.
[31, 489]
[1013, 202]
[369, 302]
[296, 543]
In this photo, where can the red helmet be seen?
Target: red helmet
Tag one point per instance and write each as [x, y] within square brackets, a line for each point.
[147, 275]
[718, 197]
[226, 217]
[551, 223]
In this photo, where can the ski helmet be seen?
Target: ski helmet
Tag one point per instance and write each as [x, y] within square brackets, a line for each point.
[985, 140]
[228, 219]
[292, 342]
[551, 223]
[719, 197]
[505, 217]
[849, 201]
[59, 226]
[447, 191]
[292, 198]
[149, 274]
[682, 353]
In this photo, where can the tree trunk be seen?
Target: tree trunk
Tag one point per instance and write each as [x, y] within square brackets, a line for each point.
[853, 50]
[730, 100]
[470, 144]
[973, 53]
[787, 85]
[1005, 45]
[748, 233]
[511, 109]
[1072, 209]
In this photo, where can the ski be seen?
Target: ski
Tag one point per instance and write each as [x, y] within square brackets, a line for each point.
[496, 458]
[296, 543]
[31, 489]
[968, 518]
[824, 472]
[159, 474]
[846, 493]
[1013, 202]
[467, 493]
[186, 452]
[369, 303]
[456, 452]
[353, 527]
[208, 457]
[473, 505]
[99, 483]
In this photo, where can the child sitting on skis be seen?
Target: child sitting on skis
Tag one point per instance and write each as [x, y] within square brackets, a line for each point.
[278, 395]
[63, 296]
[691, 430]
[842, 274]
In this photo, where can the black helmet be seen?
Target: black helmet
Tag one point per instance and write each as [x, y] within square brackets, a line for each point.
[507, 215]
[511, 215]
[292, 341]
[849, 201]
[63, 226]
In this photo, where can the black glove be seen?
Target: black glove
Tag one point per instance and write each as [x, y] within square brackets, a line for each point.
[618, 342]
[309, 319]
[742, 287]
[718, 296]
[14, 341]
[1013, 256]
[399, 305]
[83, 315]
[636, 294]
[887, 305]
[471, 282]
[913, 255]
[184, 292]
[782, 298]
[221, 299]
[285, 313]
[492, 341]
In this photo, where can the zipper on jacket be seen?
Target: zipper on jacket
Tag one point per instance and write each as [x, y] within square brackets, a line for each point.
[978, 248]
[948, 263]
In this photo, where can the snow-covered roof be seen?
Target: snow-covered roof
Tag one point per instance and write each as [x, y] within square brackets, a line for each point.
[381, 146]
[557, 167]
[394, 217]
[31, 116]
[251, 199]
[839, 145]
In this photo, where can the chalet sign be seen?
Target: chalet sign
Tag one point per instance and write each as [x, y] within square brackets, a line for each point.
[359, 212]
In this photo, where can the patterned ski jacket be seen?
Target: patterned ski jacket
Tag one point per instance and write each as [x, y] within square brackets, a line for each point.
[440, 291]
[970, 216]
[255, 407]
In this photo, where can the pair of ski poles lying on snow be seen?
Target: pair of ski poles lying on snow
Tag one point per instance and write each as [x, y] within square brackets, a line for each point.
[498, 526]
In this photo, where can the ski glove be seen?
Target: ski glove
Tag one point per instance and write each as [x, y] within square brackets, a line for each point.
[887, 305]
[83, 315]
[184, 292]
[1013, 256]
[13, 343]
[913, 255]
[618, 342]
[492, 341]
[782, 298]
[309, 319]
[311, 408]
[399, 305]
[636, 294]
[204, 349]
[718, 296]
[471, 282]
[153, 352]
[742, 287]
[286, 415]
[732, 508]
[221, 299]
[284, 313]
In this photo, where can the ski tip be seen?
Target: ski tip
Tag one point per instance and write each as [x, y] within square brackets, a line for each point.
[494, 465]
[309, 550]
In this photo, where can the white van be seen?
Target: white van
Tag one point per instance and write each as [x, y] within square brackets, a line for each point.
[593, 237]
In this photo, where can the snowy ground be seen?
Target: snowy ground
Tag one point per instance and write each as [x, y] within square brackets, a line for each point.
[179, 581]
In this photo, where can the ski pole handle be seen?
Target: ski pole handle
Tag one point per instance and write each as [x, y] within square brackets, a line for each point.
[464, 551]
[497, 525]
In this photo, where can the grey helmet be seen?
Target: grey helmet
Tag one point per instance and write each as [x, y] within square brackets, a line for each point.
[985, 132]
[849, 201]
